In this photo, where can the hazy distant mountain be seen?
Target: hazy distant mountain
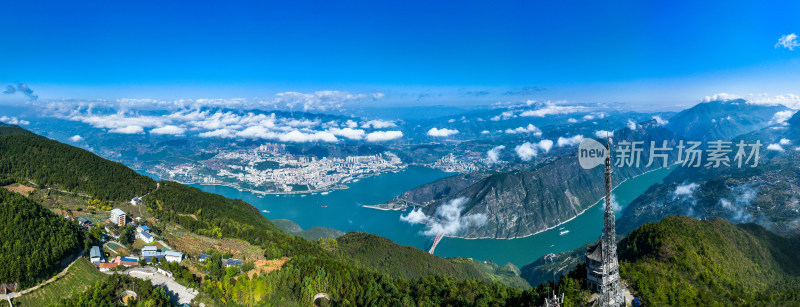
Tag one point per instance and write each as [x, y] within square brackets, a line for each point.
[722, 120]
[768, 194]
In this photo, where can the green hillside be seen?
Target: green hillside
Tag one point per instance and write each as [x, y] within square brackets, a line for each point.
[33, 240]
[312, 233]
[383, 255]
[681, 261]
[29, 158]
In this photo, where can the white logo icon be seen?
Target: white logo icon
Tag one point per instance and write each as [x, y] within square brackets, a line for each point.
[591, 153]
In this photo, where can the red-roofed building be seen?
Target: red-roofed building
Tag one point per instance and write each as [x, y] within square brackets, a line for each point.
[106, 266]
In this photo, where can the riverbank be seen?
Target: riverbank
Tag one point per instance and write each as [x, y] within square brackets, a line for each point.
[343, 185]
[344, 210]
[402, 208]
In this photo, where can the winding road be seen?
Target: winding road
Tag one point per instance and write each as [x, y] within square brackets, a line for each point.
[63, 272]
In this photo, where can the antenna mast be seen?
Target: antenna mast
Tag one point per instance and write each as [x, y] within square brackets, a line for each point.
[611, 288]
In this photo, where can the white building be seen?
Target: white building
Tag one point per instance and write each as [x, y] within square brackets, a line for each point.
[118, 217]
[95, 256]
[173, 256]
[143, 233]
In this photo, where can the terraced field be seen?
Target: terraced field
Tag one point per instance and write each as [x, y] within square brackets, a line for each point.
[195, 244]
[80, 276]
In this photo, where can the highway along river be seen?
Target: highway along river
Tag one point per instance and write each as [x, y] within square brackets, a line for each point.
[342, 210]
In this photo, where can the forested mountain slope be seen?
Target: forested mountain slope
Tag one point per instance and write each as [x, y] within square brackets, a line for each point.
[681, 261]
[33, 240]
[25, 157]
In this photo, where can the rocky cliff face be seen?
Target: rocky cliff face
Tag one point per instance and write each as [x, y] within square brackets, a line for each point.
[523, 203]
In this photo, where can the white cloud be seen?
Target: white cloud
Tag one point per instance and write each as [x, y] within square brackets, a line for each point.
[546, 145]
[493, 155]
[527, 129]
[318, 101]
[444, 132]
[631, 124]
[121, 120]
[784, 142]
[169, 129]
[299, 123]
[781, 116]
[603, 134]
[379, 136]
[302, 137]
[221, 133]
[14, 121]
[350, 133]
[686, 189]
[789, 100]
[552, 109]
[448, 218]
[131, 129]
[416, 216]
[528, 151]
[572, 120]
[721, 97]
[485, 132]
[788, 41]
[775, 147]
[503, 116]
[314, 101]
[378, 124]
[660, 121]
[569, 141]
[76, 138]
[257, 132]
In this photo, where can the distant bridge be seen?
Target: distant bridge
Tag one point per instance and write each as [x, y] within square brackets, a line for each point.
[435, 242]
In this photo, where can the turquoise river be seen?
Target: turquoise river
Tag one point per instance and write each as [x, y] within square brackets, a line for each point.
[342, 210]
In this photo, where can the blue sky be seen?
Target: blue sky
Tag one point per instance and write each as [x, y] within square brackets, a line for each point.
[667, 53]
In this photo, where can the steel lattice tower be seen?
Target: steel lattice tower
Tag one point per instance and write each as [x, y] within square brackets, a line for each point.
[611, 288]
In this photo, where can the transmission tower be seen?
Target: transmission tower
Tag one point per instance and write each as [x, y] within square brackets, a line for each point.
[611, 289]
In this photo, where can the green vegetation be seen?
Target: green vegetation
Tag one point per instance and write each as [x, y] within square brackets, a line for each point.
[219, 217]
[79, 277]
[127, 234]
[6, 129]
[110, 291]
[382, 255]
[681, 261]
[25, 158]
[305, 275]
[312, 233]
[34, 240]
